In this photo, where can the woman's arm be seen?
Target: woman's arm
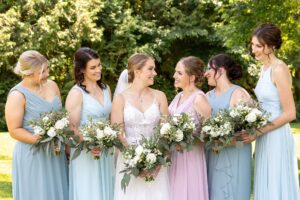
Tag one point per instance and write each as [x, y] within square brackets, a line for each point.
[117, 115]
[202, 106]
[74, 107]
[14, 113]
[283, 82]
[163, 102]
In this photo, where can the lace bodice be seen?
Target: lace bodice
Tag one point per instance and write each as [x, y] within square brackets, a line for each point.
[138, 123]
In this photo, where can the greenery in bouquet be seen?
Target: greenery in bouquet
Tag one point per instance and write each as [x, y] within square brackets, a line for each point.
[53, 127]
[144, 158]
[100, 134]
[217, 131]
[177, 132]
[248, 116]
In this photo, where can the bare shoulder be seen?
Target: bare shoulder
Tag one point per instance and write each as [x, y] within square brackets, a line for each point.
[240, 93]
[119, 99]
[280, 68]
[75, 95]
[16, 96]
[200, 98]
[51, 85]
[159, 94]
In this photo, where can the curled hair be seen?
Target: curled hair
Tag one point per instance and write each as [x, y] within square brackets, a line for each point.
[233, 70]
[29, 62]
[268, 34]
[82, 56]
[136, 61]
[194, 66]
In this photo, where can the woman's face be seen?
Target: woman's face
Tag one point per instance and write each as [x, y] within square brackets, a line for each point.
[93, 70]
[211, 75]
[260, 51]
[41, 76]
[147, 72]
[181, 78]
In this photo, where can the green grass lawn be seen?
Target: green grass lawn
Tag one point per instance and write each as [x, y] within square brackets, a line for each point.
[6, 149]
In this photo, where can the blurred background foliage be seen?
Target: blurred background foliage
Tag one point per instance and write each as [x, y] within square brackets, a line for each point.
[166, 29]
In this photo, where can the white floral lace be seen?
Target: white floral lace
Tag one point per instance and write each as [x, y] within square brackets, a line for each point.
[139, 123]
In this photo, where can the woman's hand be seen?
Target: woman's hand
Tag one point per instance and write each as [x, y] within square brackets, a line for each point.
[247, 138]
[96, 152]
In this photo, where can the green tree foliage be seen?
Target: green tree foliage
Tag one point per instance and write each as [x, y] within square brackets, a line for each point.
[166, 29]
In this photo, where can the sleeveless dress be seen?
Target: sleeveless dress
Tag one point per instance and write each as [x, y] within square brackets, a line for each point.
[37, 176]
[90, 178]
[137, 123]
[275, 172]
[229, 172]
[187, 173]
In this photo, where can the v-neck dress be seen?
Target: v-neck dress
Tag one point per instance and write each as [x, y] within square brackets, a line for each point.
[187, 173]
[39, 175]
[90, 178]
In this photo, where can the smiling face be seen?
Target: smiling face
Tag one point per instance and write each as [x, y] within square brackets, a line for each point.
[260, 51]
[181, 78]
[147, 72]
[93, 70]
[212, 75]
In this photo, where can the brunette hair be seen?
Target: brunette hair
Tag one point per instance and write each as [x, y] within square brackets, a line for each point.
[194, 66]
[233, 70]
[82, 56]
[268, 34]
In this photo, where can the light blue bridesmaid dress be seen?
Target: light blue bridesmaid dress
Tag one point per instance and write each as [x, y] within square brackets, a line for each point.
[90, 178]
[37, 176]
[229, 172]
[275, 172]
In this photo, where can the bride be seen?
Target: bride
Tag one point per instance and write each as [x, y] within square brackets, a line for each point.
[138, 107]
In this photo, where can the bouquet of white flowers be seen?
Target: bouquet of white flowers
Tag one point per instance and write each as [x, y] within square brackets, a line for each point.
[248, 116]
[145, 157]
[53, 127]
[99, 134]
[176, 132]
[217, 131]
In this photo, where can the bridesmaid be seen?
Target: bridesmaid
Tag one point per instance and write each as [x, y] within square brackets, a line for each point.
[188, 179]
[275, 172]
[90, 97]
[229, 172]
[34, 176]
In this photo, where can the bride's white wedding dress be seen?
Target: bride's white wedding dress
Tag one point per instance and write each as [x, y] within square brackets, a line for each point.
[136, 124]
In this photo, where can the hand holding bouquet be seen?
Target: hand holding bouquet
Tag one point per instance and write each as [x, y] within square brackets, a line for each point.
[101, 135]
[217, 131]
[53, 127]
[143, 160]
[176, 132]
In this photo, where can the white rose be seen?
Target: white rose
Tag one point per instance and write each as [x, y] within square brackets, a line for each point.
[65, 121]
[151, 158]
[227, 126]
[51, 132]
[251, 117]
[100, 133]
[179, 135]
[206, 128]
[45, 119]
[109, 131]
[139, 150]
[165, 128]
[257, 112]
[175, 120]
[37, 130]
[233, 113]
[60, 124]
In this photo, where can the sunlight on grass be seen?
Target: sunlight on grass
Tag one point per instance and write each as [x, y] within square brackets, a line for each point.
[295, 128]
[6, 149]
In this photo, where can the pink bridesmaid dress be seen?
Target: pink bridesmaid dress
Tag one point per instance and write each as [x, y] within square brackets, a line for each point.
[187, 173]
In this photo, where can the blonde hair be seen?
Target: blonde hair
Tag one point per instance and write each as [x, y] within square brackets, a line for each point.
[136, 61]
[29, 62]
